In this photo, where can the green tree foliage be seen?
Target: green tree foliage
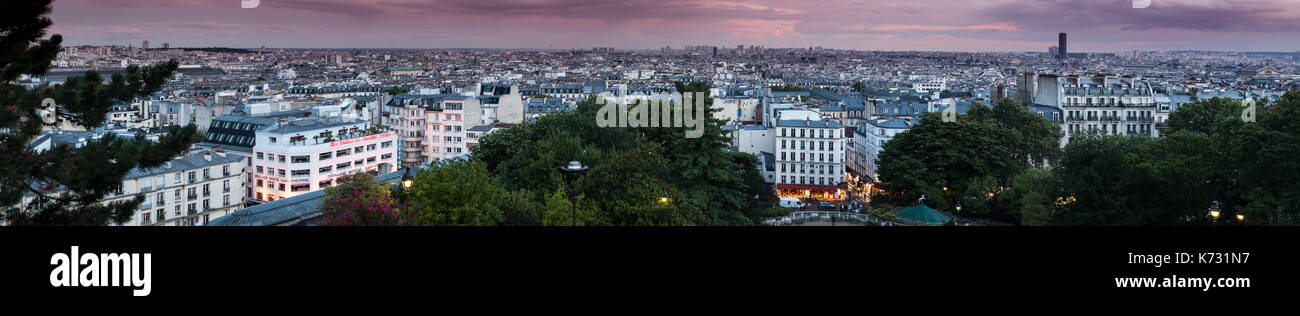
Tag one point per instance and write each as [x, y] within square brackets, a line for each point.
[936, 154]
[396, 90]
[787, 88]
[774, 212]
[704, 177]
[457, 193]
[1031, 198]
[975, 156]
[69, 182]
[858, 86]
[519, 209]
[630, 190]
[559, 211]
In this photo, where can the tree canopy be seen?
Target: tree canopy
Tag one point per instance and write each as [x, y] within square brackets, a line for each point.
[69, 182]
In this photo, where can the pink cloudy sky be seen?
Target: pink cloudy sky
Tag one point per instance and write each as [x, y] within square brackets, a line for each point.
[948, 25]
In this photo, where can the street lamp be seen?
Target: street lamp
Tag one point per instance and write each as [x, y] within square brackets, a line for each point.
[571, 174]
[1214, 212]
[664, 199]
[407, 180]
[1241, 218]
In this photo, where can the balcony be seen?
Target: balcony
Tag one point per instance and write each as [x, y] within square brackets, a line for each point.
[317, 140]
[207, 193]
[193, 196]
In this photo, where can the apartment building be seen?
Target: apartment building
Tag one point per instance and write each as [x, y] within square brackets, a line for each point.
[190, 190]
[309, 154]
[809, 155]
[431, 127]
[1111, 105]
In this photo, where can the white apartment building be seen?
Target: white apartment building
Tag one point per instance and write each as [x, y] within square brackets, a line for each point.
[1109, 104]
[930, 85]
[190, 190]
[1112, 105]
[809, 155]
[308, 154]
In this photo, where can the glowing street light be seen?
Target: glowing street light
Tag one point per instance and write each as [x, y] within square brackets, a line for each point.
[1241, 217]
[407, 179]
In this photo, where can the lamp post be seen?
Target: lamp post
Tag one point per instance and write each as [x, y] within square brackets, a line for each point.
[1214, 213]
[572, 173]
[407, 181]
[1241, 218]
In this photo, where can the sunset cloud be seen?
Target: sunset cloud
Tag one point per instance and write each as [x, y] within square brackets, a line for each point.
[1094, 25]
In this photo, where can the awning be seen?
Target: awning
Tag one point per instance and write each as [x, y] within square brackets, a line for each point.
[824, 188]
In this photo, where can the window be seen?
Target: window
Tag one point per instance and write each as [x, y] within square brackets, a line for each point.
[301, 173]
[192, 176]
[300, 159]
[386, 144]
[259, 169]
[280, 158]
[225, 186]
[280, 172]
[359, 149]
[370, 147]
[342, 153]
[259, 183]
[325, 169]
[206, 173]
[300, 187]
[386, 156]
[259, 156]
[272, 140]
[324, 184]
[343, 166]
[282, 187]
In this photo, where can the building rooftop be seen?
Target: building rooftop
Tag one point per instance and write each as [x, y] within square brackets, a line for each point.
[194, 160]
[300, 210]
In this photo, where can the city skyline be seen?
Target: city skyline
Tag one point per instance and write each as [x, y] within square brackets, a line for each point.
[991, 25]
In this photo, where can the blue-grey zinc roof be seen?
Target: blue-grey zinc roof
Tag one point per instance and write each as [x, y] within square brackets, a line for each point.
[193, 161]
[301, 208]
[809, 123]
[894, 123]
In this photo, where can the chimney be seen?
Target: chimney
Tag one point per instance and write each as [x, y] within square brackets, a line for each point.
[207, 155]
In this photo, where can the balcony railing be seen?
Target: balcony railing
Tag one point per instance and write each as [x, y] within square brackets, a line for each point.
[333, 138]
[193, 196]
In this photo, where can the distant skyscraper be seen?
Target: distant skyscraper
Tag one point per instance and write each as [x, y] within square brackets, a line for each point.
[144, 44]
[1061, 47]
[166, 45]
